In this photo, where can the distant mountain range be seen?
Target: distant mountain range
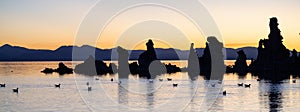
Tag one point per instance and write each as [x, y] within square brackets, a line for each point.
[68, 53]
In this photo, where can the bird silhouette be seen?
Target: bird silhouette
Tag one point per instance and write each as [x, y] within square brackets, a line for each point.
[2, 85]
[224, 93]
[57, 85]
[240, 84]
[175, 85]
[15, 90]
[247, 85]
[89, 88]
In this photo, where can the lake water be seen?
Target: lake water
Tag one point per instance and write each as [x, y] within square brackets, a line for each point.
[37, 92]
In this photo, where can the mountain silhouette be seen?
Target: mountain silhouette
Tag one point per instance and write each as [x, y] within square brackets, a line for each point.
[64, 53]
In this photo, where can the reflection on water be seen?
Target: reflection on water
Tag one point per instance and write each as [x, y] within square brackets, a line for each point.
[123, 93]
[271, 95]
[37, 92]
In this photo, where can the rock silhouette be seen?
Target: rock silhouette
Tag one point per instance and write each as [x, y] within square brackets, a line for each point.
[134, 68]
[62, 69]
[148, 56]
[94, 67]
[148, 66]
[273, 57]
[145, 59]
[172, 68]
[295, 63]
[205, 61]
[193, 63]
[212, 61]
[123, 68]
[241, 66]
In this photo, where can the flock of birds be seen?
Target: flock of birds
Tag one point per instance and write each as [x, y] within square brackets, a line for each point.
[112, 80]
[239, 84]
[89, 88]
[246, 85]
[16, 90]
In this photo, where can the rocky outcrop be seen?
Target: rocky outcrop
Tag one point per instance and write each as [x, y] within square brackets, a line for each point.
[145, 59]
[148, 66]
[273, 58]
[148, 56]
[123, 68]
[212, 61]
[193, 67]
[62, 69]
[295, 63]
[240, 65]
[94, 67]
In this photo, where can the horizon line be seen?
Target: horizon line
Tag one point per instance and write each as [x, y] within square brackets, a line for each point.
[111, 48]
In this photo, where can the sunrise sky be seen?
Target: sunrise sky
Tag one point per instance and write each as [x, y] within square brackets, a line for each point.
[48, 24]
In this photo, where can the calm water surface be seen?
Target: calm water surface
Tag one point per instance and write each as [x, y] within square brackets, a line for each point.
[37, 92]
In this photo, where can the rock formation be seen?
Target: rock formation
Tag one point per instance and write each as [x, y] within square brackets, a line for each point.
[295, 63]
[205, 61]
[241, 64]
[123, 68]
[212, 61]
[149, 66]
[193, 63]
[172, 68]
[148, 56]
[62, 69]
[134, 68]
[272, 59]
[94, 67]
[145, 59]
